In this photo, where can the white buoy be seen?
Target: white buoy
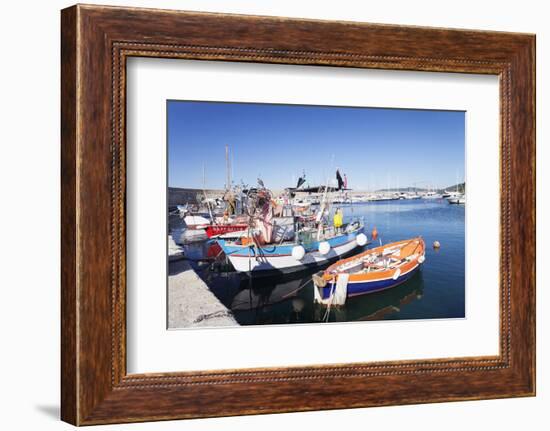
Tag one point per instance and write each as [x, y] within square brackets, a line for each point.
[361, 239]
[298, 252]
[436, 244]
[324, 247]
[421, 259]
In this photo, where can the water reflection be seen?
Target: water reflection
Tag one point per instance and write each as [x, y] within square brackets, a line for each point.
[379, 305]
[256, 301]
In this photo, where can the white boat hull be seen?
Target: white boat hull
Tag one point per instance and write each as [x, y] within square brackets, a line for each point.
[457, 201]
[196, 222]
[287, 262]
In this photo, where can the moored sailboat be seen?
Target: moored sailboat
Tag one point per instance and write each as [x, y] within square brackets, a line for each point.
[457, 200]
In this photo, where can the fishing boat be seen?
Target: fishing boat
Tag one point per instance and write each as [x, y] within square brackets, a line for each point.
[222, 229]
[283, 244]
[247, 254]
[197, 221]
[374, 270]
[193, 217]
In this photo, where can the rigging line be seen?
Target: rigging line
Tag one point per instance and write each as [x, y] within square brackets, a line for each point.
[296, 290]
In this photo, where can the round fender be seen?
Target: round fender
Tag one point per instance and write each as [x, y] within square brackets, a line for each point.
[298, 252]
[361, 239]
[324, 248]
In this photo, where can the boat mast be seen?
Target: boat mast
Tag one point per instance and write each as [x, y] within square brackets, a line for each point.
[227, 169]
[204, 192]
[231, 168]
[322, 211]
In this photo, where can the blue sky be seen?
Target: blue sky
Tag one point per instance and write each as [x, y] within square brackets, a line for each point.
[374, 147]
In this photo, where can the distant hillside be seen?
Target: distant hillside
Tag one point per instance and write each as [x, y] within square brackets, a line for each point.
[403, 189]
[461, 188]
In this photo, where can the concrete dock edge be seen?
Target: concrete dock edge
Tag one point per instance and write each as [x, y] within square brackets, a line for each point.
[191, 303]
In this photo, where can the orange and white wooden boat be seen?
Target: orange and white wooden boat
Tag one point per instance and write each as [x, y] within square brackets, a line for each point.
[373, 270]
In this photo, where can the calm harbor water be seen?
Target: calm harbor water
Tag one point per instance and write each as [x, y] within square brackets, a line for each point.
[436, 291]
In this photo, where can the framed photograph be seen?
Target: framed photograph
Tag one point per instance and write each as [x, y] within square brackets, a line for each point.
[270, 255]
[264, 215]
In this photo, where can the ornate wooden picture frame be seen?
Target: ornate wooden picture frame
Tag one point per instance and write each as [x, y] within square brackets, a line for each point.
[96, 41]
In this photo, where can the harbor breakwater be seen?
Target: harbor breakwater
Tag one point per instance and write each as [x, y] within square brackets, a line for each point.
[182, 196]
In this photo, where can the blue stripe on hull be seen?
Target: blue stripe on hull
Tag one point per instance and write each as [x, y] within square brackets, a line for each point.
[355, 289]
[286, 249]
